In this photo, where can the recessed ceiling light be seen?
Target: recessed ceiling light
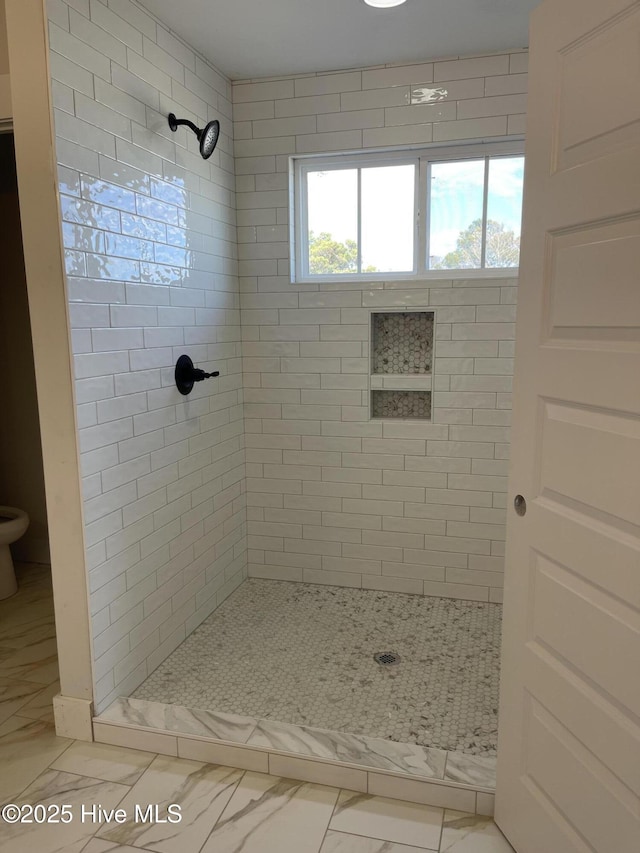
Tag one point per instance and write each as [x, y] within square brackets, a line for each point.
[384, 4]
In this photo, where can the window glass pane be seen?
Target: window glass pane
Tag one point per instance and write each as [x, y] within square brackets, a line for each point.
[332, 205]
[504, 211]
[387, 227]
[455, 215]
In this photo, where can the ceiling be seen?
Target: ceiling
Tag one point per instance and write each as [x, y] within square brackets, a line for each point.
[265, 38]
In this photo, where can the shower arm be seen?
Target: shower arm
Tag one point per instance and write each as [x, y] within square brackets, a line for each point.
[174, 123]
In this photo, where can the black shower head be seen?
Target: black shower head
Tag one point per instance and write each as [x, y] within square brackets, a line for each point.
[207, 136]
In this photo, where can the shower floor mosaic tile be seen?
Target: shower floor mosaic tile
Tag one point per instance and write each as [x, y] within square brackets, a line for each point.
[303, 654]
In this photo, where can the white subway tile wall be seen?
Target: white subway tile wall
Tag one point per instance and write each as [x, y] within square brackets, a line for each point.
[334, 497]
[151, 253]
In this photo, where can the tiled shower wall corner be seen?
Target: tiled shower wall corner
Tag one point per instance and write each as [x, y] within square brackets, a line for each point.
[151, 257]
[332, 496]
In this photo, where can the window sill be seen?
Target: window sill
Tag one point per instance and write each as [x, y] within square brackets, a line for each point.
[429, 275]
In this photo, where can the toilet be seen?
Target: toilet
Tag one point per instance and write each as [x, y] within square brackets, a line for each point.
[13, 523]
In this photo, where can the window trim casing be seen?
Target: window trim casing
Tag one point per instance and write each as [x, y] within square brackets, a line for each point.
[422, 157]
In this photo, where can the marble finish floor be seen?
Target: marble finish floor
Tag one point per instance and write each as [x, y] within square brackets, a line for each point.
[28, 653]
[302, 654]
[222, 809]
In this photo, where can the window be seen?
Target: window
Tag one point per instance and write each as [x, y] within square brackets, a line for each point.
[474, 212]
[368, 217]
[360, 219]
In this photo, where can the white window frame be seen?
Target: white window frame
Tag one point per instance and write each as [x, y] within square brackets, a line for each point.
[422, 159]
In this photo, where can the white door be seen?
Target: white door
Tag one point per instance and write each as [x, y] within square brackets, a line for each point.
[569, 747]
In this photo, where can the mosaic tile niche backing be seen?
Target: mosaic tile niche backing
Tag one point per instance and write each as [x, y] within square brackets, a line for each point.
[401, 404]
[402, 342]
[402, 347]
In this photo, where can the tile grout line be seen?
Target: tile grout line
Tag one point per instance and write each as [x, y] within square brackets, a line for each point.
[333, 811]
[237, 785]
[444, 811]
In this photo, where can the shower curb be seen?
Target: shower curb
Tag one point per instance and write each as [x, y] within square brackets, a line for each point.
[173, 730]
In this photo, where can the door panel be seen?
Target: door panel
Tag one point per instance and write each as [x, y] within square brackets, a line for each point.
[598, 104]
[586, 455]
[580, 260]
[591, 717]
[585, 369]
[590, 544]
[569, 745]
[564, 609]
[583, 790]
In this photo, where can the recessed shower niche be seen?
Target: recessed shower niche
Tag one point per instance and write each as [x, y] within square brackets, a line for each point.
[401, 364]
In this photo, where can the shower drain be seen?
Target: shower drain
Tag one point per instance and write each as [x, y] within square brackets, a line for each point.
[386, 658]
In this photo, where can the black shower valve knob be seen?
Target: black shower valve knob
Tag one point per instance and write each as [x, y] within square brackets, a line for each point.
[187, 375]
[198, 374]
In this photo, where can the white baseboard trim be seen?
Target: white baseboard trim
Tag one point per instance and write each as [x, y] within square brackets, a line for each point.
[73, 717]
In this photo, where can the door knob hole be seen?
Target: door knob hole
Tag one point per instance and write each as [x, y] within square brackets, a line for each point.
[520, 505]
